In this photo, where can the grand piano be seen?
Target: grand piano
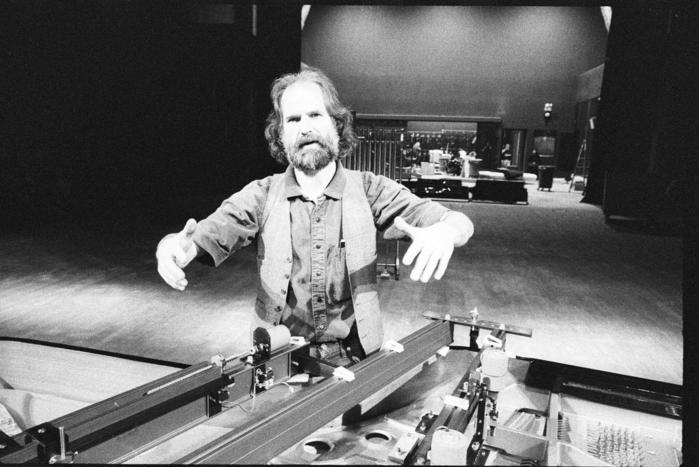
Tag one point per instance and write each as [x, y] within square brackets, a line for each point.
[422, 400]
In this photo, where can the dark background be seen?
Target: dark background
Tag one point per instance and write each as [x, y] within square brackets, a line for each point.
[119, 113]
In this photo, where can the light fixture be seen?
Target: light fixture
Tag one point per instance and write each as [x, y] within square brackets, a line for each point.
[548, 110]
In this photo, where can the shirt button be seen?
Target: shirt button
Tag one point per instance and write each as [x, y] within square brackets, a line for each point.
[317, 273]
[317, 219]
[320, 299]
[288, 260]
[317, 246]
[321, 327]
[277, 308]
[283, 291]
[286, 276]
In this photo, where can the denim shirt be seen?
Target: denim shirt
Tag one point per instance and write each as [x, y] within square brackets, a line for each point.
[318, 298]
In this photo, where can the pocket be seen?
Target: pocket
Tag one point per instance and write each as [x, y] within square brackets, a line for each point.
[337, 283]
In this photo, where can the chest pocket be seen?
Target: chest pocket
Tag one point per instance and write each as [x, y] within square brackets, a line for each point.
[338, 287]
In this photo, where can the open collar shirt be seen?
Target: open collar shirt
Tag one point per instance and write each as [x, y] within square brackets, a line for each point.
[319, 301]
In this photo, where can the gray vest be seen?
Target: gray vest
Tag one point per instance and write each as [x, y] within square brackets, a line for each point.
[274, 258]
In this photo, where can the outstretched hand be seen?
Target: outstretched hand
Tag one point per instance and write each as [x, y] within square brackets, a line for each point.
[174, 253]
[432, 246]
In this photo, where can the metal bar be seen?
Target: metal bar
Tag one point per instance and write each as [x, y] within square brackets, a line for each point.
[435, 118]
[369, 149]
[111, 409]
[477, 440]
[482, 324]
[394, 158]
[376, 155]
[261, 440]
[96, 425]
[378, 163]
[363, 151]
[390, 158]
[379, 153]
[419, 457]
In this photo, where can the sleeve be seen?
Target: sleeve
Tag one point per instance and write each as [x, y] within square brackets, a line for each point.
[233, 225]
[389, 199]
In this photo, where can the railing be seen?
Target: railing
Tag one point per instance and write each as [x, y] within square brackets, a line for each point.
[392, 152]
[379, 151]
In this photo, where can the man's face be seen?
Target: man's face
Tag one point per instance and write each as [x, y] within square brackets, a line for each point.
[308, 132]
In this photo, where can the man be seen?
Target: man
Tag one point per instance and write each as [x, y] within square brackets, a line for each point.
[315, 226]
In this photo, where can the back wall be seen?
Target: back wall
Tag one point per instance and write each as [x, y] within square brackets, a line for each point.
[457, 60]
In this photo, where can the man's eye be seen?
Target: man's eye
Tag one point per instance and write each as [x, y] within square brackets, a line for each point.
[292, 119]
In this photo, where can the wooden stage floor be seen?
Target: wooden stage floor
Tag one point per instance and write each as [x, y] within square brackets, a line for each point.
[595, 295]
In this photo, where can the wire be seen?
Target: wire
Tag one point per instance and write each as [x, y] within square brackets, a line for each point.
[254, 392]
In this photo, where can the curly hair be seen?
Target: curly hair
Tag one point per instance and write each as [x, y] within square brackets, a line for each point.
[339, 112]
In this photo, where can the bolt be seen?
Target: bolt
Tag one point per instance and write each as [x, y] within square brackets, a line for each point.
[41, 431]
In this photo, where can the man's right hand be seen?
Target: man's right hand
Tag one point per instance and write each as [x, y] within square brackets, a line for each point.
[174, 253]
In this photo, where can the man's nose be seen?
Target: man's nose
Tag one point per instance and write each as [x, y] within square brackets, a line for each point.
[305, 126]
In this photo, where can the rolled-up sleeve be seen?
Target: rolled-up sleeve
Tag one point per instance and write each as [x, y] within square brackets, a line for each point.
[389, 199]
[234, 224]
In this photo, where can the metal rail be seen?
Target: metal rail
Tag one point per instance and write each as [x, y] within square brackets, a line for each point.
[378, 151]
[101, 432]
[261, 440]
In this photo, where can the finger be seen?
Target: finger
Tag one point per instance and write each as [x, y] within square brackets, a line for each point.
[432, 262]
[171, 279]
[170, 273]
[411, 253]
[180, 257]
[189, 228]
[400, 224]
[185, 236]
[420, 264]
[443, 263]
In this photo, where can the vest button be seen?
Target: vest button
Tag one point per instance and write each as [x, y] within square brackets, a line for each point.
[283, 291]
[288, 260]
[277, 308]
[286, 276]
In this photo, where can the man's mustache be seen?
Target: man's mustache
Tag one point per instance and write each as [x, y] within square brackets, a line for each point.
[308, 140]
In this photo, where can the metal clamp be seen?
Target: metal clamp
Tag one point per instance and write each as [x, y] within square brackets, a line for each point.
[393, 346]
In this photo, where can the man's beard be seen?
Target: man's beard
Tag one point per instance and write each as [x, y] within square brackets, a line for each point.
[310, 158]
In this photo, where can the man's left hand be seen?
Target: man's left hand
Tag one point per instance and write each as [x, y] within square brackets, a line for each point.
[433, 247]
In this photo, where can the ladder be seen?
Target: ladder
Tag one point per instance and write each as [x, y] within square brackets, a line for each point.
[582, 168]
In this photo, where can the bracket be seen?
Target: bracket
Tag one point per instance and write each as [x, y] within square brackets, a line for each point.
[479, 323]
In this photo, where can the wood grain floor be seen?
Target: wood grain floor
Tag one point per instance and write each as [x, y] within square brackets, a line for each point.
[596, 295]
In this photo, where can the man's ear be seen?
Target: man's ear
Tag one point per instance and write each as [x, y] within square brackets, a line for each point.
[339, 125]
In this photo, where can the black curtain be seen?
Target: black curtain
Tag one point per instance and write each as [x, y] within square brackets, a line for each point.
[130, 112]
[642, 134]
